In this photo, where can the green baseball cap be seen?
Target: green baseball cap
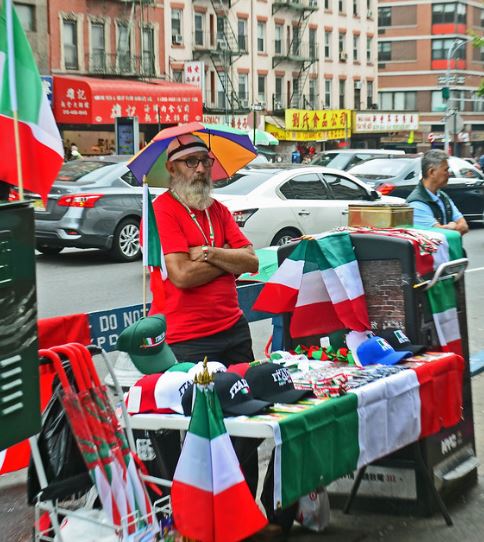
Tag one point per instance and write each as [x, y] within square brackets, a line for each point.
[144, 341]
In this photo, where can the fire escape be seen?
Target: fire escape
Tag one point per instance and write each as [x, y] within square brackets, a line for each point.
[223, 46]
[292, 49]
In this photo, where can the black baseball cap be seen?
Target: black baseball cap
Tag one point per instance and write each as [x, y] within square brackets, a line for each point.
[271, 382]
[234, 395]
[399, 341]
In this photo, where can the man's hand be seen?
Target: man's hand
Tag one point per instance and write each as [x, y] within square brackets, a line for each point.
[234, 260]
[196, 254]
[459, 225]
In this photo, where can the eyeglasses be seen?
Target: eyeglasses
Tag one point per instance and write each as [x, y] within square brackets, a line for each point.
[193, 162]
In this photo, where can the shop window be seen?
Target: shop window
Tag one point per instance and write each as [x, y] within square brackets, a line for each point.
[69, 44]
[384, 51]
[342, 188]
[385, 16]
[176, 27]
[98, 52]
[26, 15]
[308, 186]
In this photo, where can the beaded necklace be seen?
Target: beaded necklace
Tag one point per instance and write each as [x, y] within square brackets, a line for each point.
[211, 236]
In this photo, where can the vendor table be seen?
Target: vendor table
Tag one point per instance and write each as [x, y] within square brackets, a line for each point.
[318, 441]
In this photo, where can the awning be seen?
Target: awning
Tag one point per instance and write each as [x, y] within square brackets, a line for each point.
[86, 100]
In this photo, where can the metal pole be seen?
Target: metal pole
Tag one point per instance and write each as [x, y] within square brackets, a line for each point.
[255, 123]
[457, 44]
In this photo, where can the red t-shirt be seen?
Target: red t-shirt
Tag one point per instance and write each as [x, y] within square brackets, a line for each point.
[210, 308]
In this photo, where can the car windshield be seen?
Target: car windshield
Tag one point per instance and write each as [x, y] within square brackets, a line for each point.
[73, 171]
[383, 167]
[241, 184]
[338, 161]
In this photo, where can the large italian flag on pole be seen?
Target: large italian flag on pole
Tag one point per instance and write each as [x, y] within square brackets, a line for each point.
[211, 501]
[443, 303]
[30, 142]
[320, 284]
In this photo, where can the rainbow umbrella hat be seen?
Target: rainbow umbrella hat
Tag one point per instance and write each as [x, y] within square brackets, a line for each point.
[231, 148]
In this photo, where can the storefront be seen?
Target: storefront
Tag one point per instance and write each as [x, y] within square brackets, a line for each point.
[85, 108]
[387, 129]
[323, 129]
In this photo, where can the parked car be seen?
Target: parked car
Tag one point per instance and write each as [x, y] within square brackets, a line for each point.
[94, 203]
[273, 205]
[398, 177]
[346, 158]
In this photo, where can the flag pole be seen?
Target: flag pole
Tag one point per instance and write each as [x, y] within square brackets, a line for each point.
[13, 94]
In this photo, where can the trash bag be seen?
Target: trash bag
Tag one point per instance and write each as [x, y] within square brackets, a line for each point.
[64, 465]
[87, 526]
[314, 510]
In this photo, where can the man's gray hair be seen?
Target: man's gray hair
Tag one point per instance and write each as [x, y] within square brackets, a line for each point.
[431, 159]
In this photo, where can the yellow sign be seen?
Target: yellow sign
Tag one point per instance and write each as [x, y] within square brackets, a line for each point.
[291, 135]
[322, 119]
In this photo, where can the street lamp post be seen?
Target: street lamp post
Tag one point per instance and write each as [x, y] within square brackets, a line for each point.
[256, 107]
[456, 45]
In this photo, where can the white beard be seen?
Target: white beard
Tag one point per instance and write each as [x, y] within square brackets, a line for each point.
[195, 194]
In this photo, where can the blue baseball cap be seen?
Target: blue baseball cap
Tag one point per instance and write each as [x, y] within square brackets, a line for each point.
[378, 350]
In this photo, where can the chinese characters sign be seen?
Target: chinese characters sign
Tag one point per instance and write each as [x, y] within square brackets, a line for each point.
[85, 101]
[310, 135]
[194, 74]
[320, 120]
[240, 122]
[384, 121]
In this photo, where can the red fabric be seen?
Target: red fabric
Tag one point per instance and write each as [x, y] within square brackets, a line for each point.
[210, 308]
[440, 393]
[63, 330]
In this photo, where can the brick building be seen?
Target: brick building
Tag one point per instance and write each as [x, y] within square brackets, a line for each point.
[414, 63]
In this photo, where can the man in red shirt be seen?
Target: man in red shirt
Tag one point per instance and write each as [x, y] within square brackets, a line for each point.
[204, 251]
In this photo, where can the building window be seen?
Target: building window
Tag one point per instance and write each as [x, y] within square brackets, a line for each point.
[261, 89]
[124, 49]
[384, 51]
[440, 50]
[176, 27]
[148, 59]
[242, 34]
[341, 42]
[356, 8]
[313, 94]
[98, 53]
[177, 76]
[342, 88]
[327, 4]
[295, 98]
[278, 93]
[278, 36]
[357, 94]
[356, 48]
[327, 93]
[478, 104]
[327, 44]
[222, 101]
[369, 47]
[312, 43]
[261, 37]
[437, 103]
[244, 88]
[198, 22]
[69, 43]
[449, 13]
[369, 94]
[384, 16]
[398, 101]
[341, 6]
[296, 41]
[26, 15]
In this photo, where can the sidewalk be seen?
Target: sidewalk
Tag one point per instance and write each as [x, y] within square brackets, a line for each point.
[16, 519]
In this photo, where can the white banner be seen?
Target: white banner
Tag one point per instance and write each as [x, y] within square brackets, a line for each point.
[382, 121]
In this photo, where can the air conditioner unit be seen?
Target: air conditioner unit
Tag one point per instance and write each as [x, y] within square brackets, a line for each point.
[343, 56]
[177, 39]
[369, 14]
[221, 43]
[357, 85]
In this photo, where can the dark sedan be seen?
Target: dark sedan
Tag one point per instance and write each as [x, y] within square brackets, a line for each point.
[398, 177]
[94, 203]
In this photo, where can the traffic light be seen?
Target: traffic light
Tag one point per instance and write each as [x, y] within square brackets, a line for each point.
[445, 93]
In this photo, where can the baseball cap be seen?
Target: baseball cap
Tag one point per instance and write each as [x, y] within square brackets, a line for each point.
[185, 145]
[273, 383]
[184, 366]
[238, 368]
[399, 341]
[377, 350]
[158, 393]
[144, 341]
[212, 367]
[353, 341]
[234, 394]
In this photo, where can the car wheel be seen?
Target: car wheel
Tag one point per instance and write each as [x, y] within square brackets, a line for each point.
[126, 243]
[285, 236]
[45, 249]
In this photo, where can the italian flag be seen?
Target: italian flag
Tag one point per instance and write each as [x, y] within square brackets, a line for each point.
[320, 284]
[364, 425]
[153, 256]
[22, 96]
[443, 304]
[210, 499]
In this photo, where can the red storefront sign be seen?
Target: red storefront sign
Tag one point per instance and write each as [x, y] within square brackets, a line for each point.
[86, 100]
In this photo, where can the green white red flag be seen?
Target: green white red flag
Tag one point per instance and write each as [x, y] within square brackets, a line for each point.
[320, 283]
[22, 95]
[443, 304]
[210, 498]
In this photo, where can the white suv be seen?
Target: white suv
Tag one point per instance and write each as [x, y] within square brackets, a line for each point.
[346, 158]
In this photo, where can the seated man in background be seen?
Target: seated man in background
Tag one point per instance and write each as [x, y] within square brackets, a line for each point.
[431, 206]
